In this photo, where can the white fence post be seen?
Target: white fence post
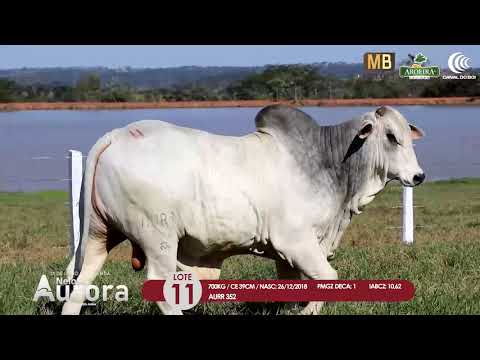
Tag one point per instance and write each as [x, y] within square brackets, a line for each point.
[407, 219]
[75, 175]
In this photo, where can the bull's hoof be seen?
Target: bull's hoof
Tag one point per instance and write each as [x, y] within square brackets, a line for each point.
[313, 308]
[174, 313]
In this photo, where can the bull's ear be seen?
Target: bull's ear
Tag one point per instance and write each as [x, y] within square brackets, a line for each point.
[417, 133]
[366, 130]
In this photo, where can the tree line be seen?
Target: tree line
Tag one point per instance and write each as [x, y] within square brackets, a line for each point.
[276, 82]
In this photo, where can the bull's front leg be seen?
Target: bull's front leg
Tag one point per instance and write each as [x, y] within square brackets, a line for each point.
[311, 262]
[315, 268]
[207, 270]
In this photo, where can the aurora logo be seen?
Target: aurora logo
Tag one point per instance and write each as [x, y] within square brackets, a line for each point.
[43, 289]
[92, 292]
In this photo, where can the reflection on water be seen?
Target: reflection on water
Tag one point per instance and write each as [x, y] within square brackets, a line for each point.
[33, 144]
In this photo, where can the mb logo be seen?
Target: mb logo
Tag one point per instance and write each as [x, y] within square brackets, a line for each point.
[377, 61]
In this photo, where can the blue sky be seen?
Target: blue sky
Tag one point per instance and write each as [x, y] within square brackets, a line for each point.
[139, 56]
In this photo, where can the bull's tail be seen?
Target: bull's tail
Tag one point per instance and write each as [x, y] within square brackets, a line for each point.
[86, 206]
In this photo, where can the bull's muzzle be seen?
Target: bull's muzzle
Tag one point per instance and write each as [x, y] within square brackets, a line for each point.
[418, 178]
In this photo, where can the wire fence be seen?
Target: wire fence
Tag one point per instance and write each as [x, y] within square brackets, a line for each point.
[51, 163]
[74, 162]
[55, 162]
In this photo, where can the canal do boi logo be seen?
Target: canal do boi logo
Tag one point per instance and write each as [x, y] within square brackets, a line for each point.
[417, 69]
[460, 68]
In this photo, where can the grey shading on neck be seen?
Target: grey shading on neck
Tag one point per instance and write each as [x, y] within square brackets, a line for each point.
[329, 156]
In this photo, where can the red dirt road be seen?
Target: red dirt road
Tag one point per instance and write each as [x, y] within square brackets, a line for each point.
[235, 103]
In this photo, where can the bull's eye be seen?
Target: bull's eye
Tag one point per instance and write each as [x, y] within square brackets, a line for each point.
[392, 139]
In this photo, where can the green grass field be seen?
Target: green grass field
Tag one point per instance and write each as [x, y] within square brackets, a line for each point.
[444, 263]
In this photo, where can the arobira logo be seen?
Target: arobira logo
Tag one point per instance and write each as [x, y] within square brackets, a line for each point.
[417, 69]
[92, 292]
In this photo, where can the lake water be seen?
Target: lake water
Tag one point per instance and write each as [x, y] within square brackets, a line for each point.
[33, 144]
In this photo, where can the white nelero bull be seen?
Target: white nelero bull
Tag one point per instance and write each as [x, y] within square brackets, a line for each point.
[187, 199]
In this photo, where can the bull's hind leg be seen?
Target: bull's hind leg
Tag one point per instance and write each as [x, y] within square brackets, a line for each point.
[160, 248]
[96, 251]
[95, 256]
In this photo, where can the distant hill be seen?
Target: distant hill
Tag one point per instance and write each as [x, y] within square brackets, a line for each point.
[341, 70]
[150, 78]
[138, 78]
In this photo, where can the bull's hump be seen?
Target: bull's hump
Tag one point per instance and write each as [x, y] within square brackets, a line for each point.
[285, 119]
